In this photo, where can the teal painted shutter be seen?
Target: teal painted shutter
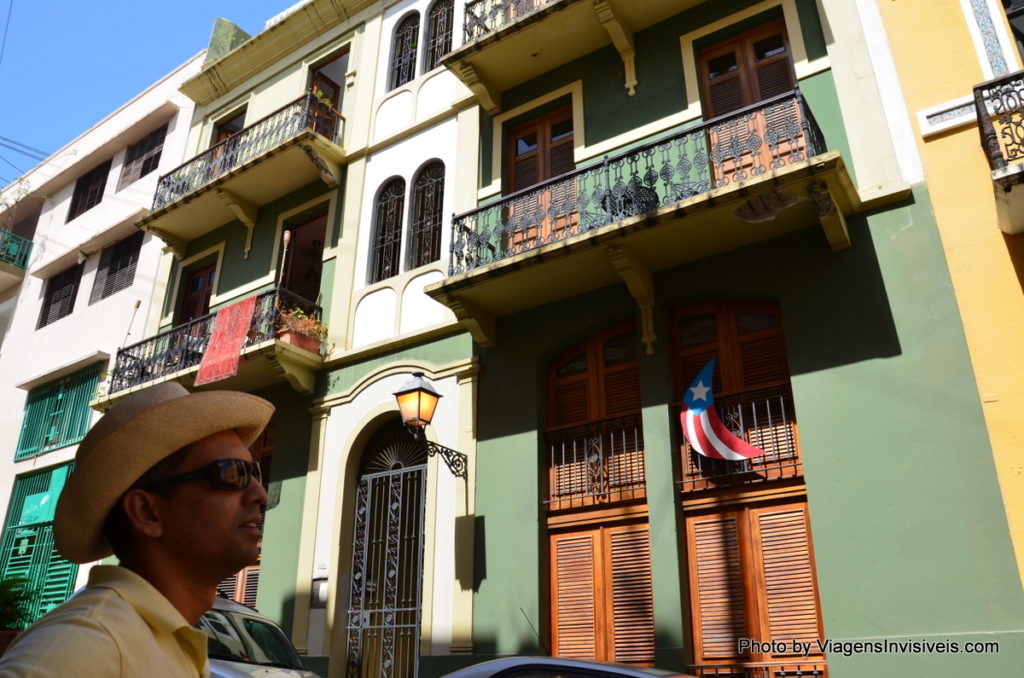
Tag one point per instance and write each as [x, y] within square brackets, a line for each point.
[57, 414]
[26, 549]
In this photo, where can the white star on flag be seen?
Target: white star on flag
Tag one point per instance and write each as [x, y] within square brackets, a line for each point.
[700, 391]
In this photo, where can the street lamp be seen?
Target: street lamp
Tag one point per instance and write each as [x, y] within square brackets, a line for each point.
[417, 400]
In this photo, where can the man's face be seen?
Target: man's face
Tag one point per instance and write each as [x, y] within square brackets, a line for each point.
[213, 533]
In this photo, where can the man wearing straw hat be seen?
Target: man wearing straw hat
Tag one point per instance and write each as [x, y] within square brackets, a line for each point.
[165, 482]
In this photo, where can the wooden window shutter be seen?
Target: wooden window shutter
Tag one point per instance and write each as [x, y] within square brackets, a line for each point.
[250, 584]
[622, 391]
[716, 586]
[574, 595]
[632, 595]
[790, 592]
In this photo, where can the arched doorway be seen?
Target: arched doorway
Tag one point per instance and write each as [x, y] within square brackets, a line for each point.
[387, 557]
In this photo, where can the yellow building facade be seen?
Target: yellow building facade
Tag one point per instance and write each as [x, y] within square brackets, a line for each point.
[942, 51]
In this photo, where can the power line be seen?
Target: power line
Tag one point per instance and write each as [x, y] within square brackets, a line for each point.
[7, 24]
[31, 148]
[35, 157]
[21, 171]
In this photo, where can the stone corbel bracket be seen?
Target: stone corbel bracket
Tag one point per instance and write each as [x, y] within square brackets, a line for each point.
[833, 221]
[640, 283]
[481, 325]
[330, 171]
[175, 244]
[622, 38]
[490, 101]
[244, 211]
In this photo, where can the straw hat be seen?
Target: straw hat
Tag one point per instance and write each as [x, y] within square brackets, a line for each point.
[128, 440]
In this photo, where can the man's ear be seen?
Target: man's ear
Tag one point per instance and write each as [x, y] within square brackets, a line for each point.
[143, 512]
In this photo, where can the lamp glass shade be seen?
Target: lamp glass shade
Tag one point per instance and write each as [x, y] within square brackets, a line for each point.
[417, 401]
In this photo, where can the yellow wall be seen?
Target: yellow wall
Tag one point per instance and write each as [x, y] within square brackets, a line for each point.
[937, 62]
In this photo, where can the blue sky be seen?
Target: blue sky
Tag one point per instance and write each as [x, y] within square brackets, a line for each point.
[68, 63]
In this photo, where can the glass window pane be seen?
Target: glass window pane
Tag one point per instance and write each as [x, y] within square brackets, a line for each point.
[578, 365]
[621, 349]
[526, 143]
[721, 65]
[769, 47]
[747, 323]
[561, 129]
[695, 330]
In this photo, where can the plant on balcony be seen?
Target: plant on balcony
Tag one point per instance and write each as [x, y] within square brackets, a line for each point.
[300, 329]
[16, 598]
[322, 98]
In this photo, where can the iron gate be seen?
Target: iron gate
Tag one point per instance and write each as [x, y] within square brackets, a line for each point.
[387, 559]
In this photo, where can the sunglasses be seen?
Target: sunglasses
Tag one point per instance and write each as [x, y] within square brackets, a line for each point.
[222, 474]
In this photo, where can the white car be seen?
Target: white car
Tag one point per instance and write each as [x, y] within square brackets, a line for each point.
[556, 667]
[243, 643]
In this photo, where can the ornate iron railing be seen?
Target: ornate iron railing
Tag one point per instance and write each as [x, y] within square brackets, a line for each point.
[804, 669]
[999, 104]
[727, 150]
[487, 16]
[305, 113]
[595, 462]
[182, 347]
[764, 418]
[14, 249]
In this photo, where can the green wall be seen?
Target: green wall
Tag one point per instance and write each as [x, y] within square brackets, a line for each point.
[909, 532]
[287, 487]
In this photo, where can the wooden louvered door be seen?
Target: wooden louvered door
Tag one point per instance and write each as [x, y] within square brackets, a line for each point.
[741, 72]
[602, 599]
[541, 150]
[752, 576]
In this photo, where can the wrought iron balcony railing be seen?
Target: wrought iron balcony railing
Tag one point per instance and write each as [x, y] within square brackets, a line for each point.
[487, 16]
[727, 150]
[596, 462]
[804, 669]
[1000, 107]
[182, 347]
[305, 113]
[764, 418]
[14, 249]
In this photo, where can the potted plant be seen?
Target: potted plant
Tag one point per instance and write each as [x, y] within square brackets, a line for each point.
[16, 599]
[300, 329]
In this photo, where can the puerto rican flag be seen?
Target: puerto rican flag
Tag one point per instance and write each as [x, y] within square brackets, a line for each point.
[702, 427]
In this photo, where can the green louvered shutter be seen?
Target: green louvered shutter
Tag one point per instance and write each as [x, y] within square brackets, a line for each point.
[57, 413]
[27, 549]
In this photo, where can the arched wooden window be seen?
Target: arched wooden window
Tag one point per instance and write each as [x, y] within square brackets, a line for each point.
[600, 562]
[439, 33]
[403, 53]
[386, 248]
[425, 229]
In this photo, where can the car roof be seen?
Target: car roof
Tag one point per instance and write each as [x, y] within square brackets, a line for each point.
[494, 666]
[229, 605]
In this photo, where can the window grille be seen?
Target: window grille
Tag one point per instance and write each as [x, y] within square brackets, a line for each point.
[387, 240]
[117, 268]
[57, 413]
[439, 33]
[89, 190]
[59, 297]
[425, 230]
[403, 55]
[142, 158]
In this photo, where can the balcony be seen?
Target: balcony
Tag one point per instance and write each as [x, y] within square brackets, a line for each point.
[999, 104]
[595, 464]
[177, 352]
[795, 669]
[755, 174]
[540, 35]
[762, 417]
[14, 253]
[284, 151]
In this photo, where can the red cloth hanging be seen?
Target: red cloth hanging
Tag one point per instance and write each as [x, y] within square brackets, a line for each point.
[224, 350]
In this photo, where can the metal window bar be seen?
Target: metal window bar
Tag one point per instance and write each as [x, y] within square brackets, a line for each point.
[999, 104]
[762, 417]
[425, 229]
[182, 347]
[387, 235]
[597, 460]
[747, 143]
[439, 33]
[818, 669]
[14, 249]
[487, 16]
[403, 57]
[57, 413]
[305, 113]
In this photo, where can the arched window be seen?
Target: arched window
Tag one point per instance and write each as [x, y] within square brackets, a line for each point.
[439, 33]
[403, 54]
[387, 232]
[425, 229]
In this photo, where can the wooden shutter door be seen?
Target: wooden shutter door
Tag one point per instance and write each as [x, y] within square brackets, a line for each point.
[632, 595]
[717, 596]
[789, 596]
[575, 620]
